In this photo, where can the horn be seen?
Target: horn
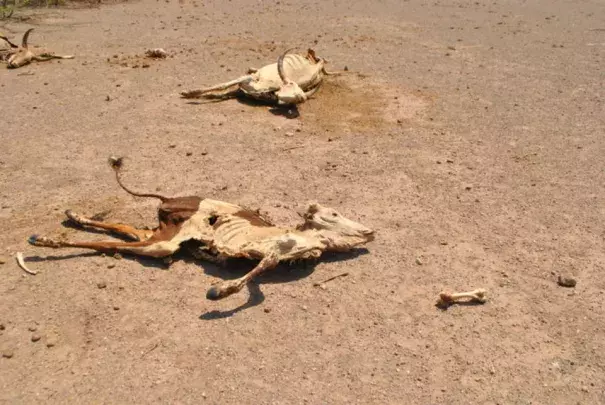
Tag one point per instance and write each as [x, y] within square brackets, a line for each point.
[25, 37]
[280, 66]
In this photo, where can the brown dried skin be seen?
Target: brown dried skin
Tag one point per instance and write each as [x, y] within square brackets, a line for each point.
[225, 230]
[304, 75]
[24, 54]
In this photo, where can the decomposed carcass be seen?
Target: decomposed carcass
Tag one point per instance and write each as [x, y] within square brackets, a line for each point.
[19, 56]
[221, 231]
[292, 80]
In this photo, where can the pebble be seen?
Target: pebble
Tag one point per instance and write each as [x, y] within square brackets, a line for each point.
[117, 256]
[32, 328]
[7, 354]
[419, 261]
[267, 310]
[566, 281]
[36, 337]
[50, 343]
[116, 308]
[111, 265]
[3, 259]
[2, 327]
[101, 284]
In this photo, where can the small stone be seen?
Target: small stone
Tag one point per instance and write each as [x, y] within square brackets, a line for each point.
[267, 310]
[289, 133]
[419, 261]
[111, 265]
[8, 354]
[3, 259]
[32, 328]
[116, 308]
[51, 343]
[117, 256]
[468, 187]
[36, 337]
[204, 153]
[2, 327]
[189, 153]
[443, 243]
[101, 285]
[565, 281]
[172, 146]
[304, 308]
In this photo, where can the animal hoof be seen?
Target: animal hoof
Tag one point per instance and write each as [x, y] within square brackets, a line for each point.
[213, 294]
[33, 240]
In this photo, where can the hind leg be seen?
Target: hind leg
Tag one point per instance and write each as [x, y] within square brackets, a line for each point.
[152, 248]
[126, 230]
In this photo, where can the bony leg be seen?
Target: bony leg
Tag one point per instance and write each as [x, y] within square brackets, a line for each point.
[127, 230]
[226, 288]
[143, 248]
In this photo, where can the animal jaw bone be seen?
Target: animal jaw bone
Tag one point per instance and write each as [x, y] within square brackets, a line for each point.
[292, 80]
[225, 231]
[478, 295]
[24, 54]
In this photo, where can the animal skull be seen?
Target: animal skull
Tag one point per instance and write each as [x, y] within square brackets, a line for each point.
[24, 54]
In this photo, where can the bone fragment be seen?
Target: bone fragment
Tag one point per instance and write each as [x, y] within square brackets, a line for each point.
[478, 295]
[21, 264]
[156, 53]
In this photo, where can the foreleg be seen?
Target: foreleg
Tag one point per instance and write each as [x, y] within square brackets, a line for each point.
[226, 288]
[46, 57]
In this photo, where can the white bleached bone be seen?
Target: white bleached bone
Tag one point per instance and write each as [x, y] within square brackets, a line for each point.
[478, 295]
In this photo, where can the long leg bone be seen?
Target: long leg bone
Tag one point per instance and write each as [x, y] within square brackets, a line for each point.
[226, 288]
[478, 295]
[221, 86]
[143, 248]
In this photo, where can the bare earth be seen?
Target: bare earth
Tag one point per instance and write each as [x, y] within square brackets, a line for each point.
[471, 141]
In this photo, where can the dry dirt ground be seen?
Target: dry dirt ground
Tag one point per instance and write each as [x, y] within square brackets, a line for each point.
[472, 142]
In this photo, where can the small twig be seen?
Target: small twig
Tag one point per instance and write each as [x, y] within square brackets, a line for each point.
[21, 264]
[150, 350]
[330, 279]
[292, 148]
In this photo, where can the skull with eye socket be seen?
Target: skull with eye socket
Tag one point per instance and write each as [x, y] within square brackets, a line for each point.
[336, 227]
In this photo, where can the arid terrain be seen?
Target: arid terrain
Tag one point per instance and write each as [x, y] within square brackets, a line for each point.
[469, 135]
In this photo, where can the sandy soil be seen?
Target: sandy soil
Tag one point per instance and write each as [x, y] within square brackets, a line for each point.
[472, 142]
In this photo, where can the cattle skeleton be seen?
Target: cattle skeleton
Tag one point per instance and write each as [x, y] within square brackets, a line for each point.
[292, 80]
[19, 56]
[225, 231]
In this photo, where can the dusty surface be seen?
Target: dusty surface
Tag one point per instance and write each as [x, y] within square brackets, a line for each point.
[474, 143]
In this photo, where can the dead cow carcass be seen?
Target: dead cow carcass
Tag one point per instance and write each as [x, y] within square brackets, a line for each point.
[292, 80]
[224, 231]
[19, 56]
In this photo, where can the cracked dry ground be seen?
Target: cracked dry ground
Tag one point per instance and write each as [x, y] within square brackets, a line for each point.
[472, 140]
